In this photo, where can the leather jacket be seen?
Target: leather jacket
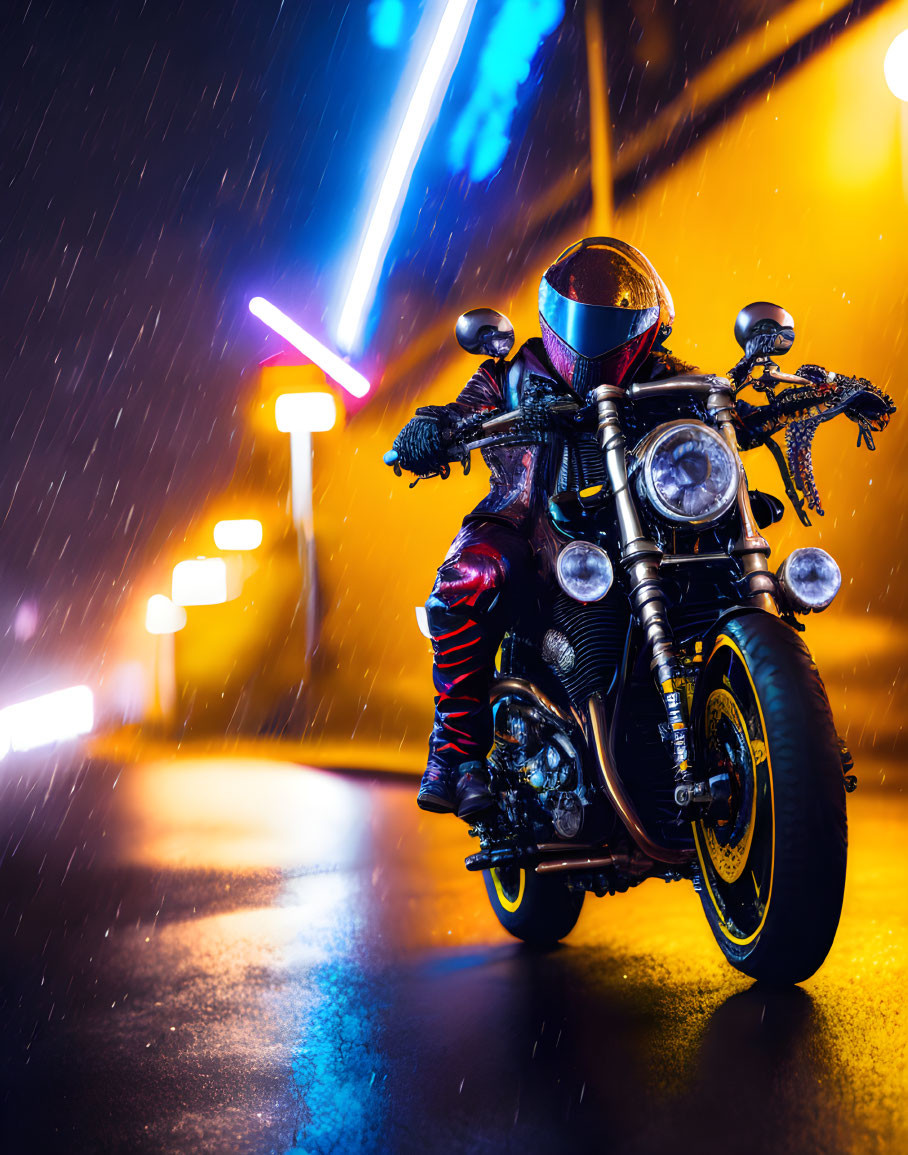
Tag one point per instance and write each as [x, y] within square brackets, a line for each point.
[524, 477]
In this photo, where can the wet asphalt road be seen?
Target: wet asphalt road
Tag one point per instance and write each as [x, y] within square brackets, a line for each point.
[238, 956]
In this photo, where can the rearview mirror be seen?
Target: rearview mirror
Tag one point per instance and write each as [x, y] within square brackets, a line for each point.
[486, 332]
[765, 329]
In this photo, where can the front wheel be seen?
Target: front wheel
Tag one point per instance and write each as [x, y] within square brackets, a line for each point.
[538, 909]
[772, 862]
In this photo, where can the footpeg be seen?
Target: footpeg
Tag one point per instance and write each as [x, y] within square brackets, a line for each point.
[496, 856]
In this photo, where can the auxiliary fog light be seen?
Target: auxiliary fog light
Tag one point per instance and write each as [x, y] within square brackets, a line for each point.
[584, 571]
[810, 579]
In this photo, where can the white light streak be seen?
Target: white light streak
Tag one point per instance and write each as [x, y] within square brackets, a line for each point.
[48, 719]
[336, 367]
[433, 79]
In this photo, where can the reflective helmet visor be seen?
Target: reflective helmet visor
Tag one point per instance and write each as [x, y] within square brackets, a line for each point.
[593, 330]
[600, 293]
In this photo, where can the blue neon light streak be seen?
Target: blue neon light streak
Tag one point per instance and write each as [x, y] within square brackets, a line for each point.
[480, 138]
[386, 22]
[449, 23]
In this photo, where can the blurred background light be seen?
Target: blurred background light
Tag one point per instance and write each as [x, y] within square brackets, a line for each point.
[47, 719]
[305, 412]
[386, 21]
[336, 367]
[421, 110]
[238, 534]
[895, 66]
[163, 616]
[200, 582]
[480, 138]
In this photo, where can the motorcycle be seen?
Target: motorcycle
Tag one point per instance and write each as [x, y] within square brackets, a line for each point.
[666, 719]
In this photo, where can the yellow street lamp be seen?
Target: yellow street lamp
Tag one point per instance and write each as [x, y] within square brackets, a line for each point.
[895, 66]
[162, 616]
[238, 535]
[301, 414]
[200, 582]
[895, 70]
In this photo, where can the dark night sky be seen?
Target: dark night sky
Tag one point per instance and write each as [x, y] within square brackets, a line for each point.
[164, 162]
[161, 163]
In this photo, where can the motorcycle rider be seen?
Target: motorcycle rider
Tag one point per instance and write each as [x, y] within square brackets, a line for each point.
[604, 313]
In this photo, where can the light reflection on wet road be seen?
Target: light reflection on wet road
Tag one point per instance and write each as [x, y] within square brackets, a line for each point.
[239, 956]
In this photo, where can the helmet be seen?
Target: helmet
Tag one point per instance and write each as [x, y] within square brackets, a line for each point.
[601, 307]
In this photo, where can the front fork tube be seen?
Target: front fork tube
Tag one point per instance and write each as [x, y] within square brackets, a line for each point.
[751, 548]
[640, 558]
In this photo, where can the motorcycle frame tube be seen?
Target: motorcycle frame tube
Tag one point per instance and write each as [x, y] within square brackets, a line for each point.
[523, 688]
[619, 797]
[609, 778]
[565, 864]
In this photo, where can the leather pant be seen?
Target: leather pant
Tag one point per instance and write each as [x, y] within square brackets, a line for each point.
[487, 579]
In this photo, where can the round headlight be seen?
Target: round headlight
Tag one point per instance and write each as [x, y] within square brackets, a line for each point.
[810, 578]
[584, 571]
[690, 473]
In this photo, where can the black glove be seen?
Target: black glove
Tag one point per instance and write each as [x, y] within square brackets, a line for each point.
[816, 375]
[421, 446]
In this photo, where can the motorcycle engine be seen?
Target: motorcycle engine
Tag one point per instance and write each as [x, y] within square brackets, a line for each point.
[533, 753]
[552, 772]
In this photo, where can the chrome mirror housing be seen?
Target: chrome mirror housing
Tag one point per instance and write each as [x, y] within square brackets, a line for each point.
[771, 323]
[485, 332]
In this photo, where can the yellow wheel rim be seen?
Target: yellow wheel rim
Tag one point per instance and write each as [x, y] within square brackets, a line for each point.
[759, 752]
[509, 904]
[730, 861]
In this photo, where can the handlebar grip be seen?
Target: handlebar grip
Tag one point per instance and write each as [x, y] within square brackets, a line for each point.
[390, 457]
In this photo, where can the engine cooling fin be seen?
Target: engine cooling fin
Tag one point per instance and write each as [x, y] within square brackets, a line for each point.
[595, 634]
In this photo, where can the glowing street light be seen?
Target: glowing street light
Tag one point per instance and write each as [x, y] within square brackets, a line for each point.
[433, 79]
[301, 415]
[305, 412]
[239, 534]
[895, 66]
[201, 582]
[895, 70]
[46, 720]
[162, 616]
[335, 367]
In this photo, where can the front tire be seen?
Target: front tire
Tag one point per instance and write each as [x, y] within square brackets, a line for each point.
[536, 908]
[772, 863]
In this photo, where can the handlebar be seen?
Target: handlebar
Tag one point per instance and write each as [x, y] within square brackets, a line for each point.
[473, 434]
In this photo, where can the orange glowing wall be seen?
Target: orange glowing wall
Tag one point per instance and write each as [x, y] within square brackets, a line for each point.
[800, 198]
